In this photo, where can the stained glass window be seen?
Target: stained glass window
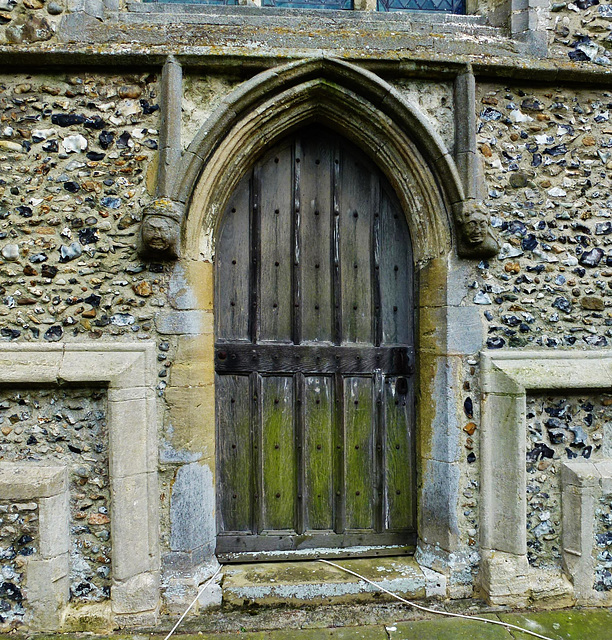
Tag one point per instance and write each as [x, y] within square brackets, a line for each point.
[309, 4]
[213, 2]
[447, 6]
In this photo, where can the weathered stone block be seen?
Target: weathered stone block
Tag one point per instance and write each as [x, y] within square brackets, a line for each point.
[438, 433]
[503, 494]
[184, 322]
[54, 525]
[192, 419]
[505, 577]
[309, 582]
[581, 474]
[136, 620]
[498, 381]
[466, 334]
[27, 365]
[211, 597]
[191, 287]
[134, 524]
[136, 595]
[191, 513]
[131, 454]
[48, 588]
[96, 618]
[604, 468]
[121, 365]
[432, 280]
[195, 372]
[438, 517]
[94, 8]
[19, 481]
[522, 21]
[432, 329]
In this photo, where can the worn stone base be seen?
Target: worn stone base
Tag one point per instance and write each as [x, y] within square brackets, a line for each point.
[182, 584]
[90, 618]
[312, 582]
[508, 580]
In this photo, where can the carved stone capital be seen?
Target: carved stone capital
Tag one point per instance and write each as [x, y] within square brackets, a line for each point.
[160, 230]
[474, 234]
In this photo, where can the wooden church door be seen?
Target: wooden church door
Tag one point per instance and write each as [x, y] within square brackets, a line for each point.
[314, 355]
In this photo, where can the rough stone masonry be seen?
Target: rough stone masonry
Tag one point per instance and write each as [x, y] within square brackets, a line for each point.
[107, 106]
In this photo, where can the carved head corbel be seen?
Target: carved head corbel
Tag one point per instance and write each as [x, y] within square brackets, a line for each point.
[160, 230]
[475, 236]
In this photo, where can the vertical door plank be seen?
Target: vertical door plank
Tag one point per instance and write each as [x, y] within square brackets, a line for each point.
[360, 483]
[234, 451]
[296, 237]
[315, 198]
[395, 274]
[279, 468]
[318, 452]
[339, 461]
[275, 242]
[355, 250]
[335, 241]
[376, 251]
[233, 259]
[399, 447]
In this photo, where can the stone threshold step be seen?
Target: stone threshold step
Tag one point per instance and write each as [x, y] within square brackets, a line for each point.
[310, 582]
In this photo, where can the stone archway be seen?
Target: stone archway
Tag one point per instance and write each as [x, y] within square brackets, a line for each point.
[398, 139]
[357, 104]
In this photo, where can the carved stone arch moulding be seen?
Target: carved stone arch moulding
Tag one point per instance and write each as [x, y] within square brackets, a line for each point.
[371, 114]
[350, 100]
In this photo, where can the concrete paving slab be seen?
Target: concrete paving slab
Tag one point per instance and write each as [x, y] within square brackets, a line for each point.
[568, 624]
[448, 629]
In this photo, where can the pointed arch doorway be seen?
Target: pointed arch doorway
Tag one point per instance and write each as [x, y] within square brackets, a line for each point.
[314, 354]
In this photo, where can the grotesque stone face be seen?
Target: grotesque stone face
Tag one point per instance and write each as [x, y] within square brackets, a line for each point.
[160, 235]
[475, 228]
[475, 235]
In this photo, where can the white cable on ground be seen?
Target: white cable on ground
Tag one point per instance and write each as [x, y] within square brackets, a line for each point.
[200, 592]
[506, 625]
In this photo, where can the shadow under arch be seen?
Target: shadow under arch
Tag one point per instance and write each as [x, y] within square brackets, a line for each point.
[355, 103]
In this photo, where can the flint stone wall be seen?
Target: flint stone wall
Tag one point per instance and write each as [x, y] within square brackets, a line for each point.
[79, 160]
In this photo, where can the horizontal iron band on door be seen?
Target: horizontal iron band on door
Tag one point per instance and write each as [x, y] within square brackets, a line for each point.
[268, 358]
